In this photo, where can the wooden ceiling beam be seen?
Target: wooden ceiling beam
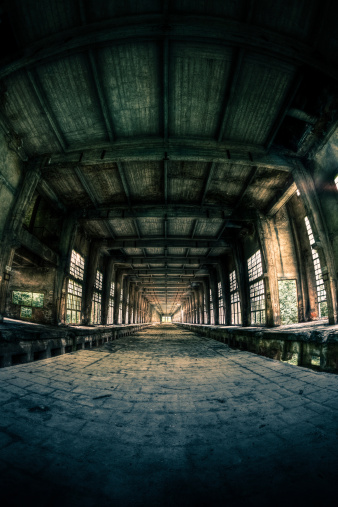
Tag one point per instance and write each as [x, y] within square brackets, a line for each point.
[195, 28]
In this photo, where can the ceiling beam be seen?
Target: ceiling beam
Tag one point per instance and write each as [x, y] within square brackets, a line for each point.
[208, 181]
[293, 89]
[281, 199]
[245, 188]
[93, 197]
[45, 106]
[166, 242]
[230, 91]
[195, 28]
[165, 270]
[157, 211]
[100, 94]
[193, 259]
[195, 150]
[124, 181]
[48, 193]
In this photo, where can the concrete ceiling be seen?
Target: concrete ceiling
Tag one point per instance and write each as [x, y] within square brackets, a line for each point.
[165, 125]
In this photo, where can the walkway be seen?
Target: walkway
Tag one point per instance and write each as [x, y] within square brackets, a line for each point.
[167, 418]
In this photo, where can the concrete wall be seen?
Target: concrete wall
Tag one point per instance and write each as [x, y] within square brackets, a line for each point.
[10, 174]
[39, 280]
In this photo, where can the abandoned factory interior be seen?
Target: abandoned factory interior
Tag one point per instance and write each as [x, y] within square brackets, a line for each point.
[168, 167]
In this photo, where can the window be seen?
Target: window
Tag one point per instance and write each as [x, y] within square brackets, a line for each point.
[96, 308]
[97, 299]
[27, 301]
[74, 298]
[255, 268]
[74, 289]
[221, 311]
[166, 319]
[110, 318]
[257, 293]
[321, 293]
[336, 181]
[257, 301]
[236, 316]
[212, 317]
[76, 269]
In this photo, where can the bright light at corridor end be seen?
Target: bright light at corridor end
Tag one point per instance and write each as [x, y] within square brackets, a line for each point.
[166, 318]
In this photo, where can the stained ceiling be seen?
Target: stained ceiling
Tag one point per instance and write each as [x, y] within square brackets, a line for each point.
[166, 125]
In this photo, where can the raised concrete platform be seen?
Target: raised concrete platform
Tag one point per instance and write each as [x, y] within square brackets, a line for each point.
[23, 342]
[310, 344]
[167, 418]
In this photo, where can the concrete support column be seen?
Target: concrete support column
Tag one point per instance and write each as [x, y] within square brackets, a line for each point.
[89, 281]
[126, 284]
[242, 282]
[214, 293]
[197, 306]
[11, 237]
[131, 303]
[206, 294]
[308, 194]
[108, 273]
[66, 244]
[268, 249]
[201, 303]
[136, 292]
[118, 287]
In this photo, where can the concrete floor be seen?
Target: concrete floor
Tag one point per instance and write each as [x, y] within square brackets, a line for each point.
[167, 418]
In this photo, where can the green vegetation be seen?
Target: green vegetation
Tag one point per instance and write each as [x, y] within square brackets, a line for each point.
[37, 300]
[22, 298]
[288, 301]
[26, 312]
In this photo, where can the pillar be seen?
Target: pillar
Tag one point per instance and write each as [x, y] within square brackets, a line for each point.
[136, 295]
[206, 295]
[126, 283]
[131, 303]
[118, 287]
[268, 249]
[214, 293]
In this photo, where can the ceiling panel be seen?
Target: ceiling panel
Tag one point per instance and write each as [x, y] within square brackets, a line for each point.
[70, 92]
[131, 78]
[260, 93]
[199, 76]
[27, 116]
[144, 181]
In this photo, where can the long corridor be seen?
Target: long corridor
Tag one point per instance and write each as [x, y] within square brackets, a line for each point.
[167, 418]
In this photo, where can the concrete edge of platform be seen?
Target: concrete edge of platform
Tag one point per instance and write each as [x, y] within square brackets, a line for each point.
[20, 344]
[312, 348]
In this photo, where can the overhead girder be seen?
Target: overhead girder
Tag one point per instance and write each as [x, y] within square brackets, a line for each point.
[186, 149]
[195, 28]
